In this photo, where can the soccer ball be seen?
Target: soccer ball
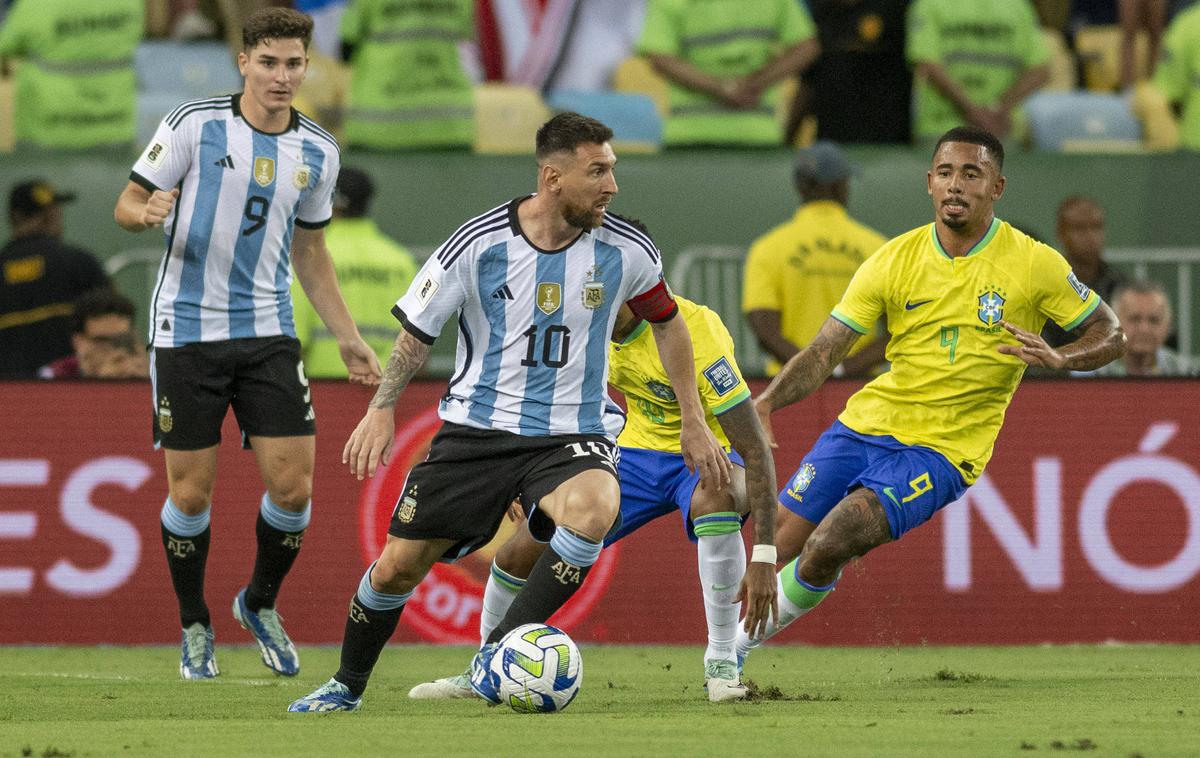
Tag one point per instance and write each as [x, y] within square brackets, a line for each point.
[538, 669]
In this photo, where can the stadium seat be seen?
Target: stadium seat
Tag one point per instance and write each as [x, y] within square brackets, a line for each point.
[637, 75]
[186, 70]
[633, 117]
[1082, 122]
[1099, 50]
[507, 118]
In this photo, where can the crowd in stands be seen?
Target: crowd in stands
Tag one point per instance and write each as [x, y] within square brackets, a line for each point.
[388, 75]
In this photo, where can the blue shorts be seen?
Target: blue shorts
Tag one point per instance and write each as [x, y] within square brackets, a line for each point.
[654, 484]
[911, 482]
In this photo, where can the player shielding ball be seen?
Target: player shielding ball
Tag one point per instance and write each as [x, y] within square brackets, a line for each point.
[536, 283]
[242, 186]
[965, 299]
[655, 482]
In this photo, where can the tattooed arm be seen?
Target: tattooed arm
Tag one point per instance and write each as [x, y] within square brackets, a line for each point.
[371, 442]
[740, 424]
[1098, 341]
[806, 371]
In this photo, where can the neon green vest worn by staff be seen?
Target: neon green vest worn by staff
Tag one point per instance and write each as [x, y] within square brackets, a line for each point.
[75, 86]
[408, 88]
[724, 38]
[373, 272]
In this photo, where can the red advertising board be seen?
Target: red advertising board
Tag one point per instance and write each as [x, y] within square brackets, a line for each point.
[1085, 528]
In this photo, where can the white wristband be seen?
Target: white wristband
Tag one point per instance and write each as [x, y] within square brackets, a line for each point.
[763, 554]
[838, 371]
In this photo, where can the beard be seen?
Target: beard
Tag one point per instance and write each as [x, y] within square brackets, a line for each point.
[582, 218]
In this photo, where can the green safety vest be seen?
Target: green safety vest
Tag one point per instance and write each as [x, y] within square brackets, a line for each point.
[373, 272]
[408, 88]
[75, 86]
[724, 38]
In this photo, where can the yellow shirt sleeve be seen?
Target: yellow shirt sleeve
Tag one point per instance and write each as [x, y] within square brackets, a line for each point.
[865, 300]
[1059, 294]
[719, 378]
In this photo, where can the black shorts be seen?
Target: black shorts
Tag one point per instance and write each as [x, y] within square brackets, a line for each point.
[261, 377]
[463, 489]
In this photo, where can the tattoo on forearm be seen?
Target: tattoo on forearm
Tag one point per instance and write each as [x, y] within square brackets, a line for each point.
[408, 355]
[1100, 343]
[741, 426]
[804, 373]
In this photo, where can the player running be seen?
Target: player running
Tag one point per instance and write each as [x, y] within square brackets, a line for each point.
[655, 482]
[242, 186]
[965, 299]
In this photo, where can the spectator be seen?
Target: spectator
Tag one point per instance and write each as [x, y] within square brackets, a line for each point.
[1178, 71]
[1140, 15]
[75, 87]
[1080, 230]
[409, 88]
[371, 268]
[1145, 314]
[102, 335]
[797, 272]
[860, 88]
[975, 62]
[722, 59]
[42, 278]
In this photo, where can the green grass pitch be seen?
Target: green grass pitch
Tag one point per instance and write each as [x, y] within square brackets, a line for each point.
[638, 701]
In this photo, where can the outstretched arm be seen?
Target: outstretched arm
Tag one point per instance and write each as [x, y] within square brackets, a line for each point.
[1100, 342]
[740, 424]
[806, 371]
[701, 450]
[371, 442]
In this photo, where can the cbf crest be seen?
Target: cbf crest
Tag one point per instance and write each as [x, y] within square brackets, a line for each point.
[549, 297]
[991, 306]
[802, 480]
[406, 509]
[593, 291]
[165, 422]
[264, 170]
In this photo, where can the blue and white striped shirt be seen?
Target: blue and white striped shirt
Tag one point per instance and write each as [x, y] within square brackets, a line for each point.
[226, 273]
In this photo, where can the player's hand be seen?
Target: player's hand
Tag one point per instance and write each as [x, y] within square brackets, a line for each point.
[158, 207]
[361, 362]
[1033, 349]
[759, 593]
[764, 417]
[703, 453]
[370, 444]
[516, 513]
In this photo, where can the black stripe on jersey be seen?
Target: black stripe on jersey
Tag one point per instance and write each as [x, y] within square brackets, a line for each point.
[163, 275]
[468, 351]
[448, 248]
[313, 224]
[615, 223]
[408, 326]
[467, 242]
[198, 109]
[315, 128]
[190, 103]
[143, 182]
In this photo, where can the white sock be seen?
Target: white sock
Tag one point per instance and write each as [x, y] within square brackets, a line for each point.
[501, 589]
[788, 612]
[722, 562]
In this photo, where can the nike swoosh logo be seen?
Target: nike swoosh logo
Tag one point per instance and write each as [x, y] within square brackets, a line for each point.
[889, 491]
[722, 587]
[910, 304]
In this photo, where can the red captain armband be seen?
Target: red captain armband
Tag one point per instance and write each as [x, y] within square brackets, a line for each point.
[655, 305]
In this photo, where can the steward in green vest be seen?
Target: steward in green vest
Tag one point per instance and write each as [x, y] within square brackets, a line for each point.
[408, 89]
[723, 60]
[75, 85]
[372, 271]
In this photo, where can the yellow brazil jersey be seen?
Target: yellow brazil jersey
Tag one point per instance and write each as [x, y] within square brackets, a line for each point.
[948, 386]
[635, 369]
[801, 269]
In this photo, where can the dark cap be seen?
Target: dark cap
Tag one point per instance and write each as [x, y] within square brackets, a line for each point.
[353, 192]
[34, 196]
[822, 163]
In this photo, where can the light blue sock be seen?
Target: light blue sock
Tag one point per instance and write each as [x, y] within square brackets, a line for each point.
[376, 600]
[284, 521]
[182, 525]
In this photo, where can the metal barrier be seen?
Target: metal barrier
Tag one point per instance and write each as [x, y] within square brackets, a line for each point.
[712, 275]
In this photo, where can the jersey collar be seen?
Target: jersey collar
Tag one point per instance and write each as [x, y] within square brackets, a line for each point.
[637, 332]
[293, 120]
[980, 245]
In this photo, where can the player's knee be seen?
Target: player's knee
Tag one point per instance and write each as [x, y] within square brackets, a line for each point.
[823, 557]
[394, 574]
[590, 516]
[191, 499]
[292, 496]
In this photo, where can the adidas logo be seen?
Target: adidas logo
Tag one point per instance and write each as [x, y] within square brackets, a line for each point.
[166, 325]
[226, 162]
[504, 293]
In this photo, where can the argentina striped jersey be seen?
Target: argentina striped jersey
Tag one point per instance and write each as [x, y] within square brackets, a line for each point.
[534, 325]
[226, 273]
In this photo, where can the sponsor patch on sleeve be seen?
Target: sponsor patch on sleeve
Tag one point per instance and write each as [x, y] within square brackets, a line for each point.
[721, 376]
[155, 155]
[426, 291]
[1080, 287]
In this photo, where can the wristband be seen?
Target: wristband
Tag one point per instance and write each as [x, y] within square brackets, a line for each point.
[763, 554]
[838, 371]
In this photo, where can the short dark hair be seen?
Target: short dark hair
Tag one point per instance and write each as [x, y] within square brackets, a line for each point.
[567, 131]
[277, 23]
[103, 301]
[973, 135]
[1071, 201]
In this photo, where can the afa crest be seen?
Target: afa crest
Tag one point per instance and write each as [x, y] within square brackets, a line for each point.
[302, 177]
[165, 421]
[991, 306]
[264, 171]
[406, 509]
[549, 297]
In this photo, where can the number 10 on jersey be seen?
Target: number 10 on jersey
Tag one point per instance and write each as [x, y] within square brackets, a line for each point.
[550, 356]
